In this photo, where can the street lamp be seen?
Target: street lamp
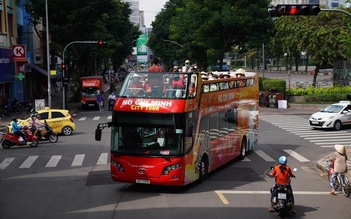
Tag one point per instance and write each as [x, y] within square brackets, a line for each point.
[48, 52]
[174, 42]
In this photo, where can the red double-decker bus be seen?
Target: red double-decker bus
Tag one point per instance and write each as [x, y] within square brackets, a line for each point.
[174, 128]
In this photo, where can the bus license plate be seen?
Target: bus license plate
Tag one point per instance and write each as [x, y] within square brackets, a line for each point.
[143, 181]
[281, 195]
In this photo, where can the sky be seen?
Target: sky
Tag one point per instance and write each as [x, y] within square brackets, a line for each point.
[151, 8]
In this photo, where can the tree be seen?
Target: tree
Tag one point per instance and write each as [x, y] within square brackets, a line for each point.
[79, 20]
[209, 29]
[325, 37]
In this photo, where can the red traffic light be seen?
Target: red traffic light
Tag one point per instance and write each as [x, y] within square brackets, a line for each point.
[63, 65]
[100, 42]
[294, 9]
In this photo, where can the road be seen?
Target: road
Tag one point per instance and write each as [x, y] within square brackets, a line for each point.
[70, 179]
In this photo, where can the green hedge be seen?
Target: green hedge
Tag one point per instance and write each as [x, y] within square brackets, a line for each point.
[273, 85]
[312, 94]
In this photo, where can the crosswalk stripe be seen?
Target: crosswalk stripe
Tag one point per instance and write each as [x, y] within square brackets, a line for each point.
[78, 160]
[28, 162]
[6, 162]
[296, 155]
[102, 159]
[109, 117]
[82, 119]
[96, 118]
[264, 156]
[246, 159]
[324, 136]
[53, 161]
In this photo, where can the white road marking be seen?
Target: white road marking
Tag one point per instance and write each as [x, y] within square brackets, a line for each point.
[6, 162]
[82, 119]
[268, 192]
[109, 117]
[96, 118]
[53, 161]
[78, 160]
[246, 159]
[28, 162]
[296, 156]
[264, 156]
[102, 159]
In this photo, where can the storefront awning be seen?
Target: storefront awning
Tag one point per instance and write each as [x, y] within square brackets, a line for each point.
[42, 71]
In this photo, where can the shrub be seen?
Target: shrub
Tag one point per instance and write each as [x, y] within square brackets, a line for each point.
[312, 94]
[274, 85]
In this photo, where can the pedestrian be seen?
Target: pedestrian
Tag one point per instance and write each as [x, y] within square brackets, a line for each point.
[100, 100]
[155, 66]
[340, 166]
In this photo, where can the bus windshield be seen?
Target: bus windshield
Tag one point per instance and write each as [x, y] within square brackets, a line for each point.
[156, 85]
[139, 135]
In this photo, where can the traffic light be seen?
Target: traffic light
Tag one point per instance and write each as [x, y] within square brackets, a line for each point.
[294, 10]
[100, 42]
[63, 66]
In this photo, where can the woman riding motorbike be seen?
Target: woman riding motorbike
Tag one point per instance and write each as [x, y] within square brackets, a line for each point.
[282, 174]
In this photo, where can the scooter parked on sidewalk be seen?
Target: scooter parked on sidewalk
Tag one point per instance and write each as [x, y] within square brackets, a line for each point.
[10, 139]
[50, 135]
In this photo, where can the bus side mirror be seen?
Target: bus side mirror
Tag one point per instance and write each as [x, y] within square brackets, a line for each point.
[98, 133]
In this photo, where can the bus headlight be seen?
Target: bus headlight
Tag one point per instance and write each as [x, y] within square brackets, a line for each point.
[169, 168]
[118, 165]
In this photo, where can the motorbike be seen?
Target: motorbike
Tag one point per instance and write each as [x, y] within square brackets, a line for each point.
[14, 107]
[27, 106]
[111, 102]
[50, 135]
[10, 139]
[281, 201]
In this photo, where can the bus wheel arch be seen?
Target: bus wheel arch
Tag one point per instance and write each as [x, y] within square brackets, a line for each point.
[203, 171]
[243, 148]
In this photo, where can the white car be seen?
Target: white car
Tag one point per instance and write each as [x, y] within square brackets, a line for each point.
[332, 117]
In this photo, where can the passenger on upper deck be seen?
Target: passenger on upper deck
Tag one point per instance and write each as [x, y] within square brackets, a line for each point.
[187, 67]
[155, 66]
[178, 82]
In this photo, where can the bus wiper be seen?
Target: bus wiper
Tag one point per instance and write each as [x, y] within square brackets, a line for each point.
[166, 158]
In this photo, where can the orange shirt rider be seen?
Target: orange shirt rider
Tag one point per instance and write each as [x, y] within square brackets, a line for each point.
[282, 177]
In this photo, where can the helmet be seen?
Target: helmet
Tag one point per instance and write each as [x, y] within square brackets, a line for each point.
[283, 160]
[14, 118]
[25, 127]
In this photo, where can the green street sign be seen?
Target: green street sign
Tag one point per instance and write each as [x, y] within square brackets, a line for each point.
[20, 76]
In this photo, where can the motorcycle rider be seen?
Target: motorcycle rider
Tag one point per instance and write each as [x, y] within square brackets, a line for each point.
[282, 174]
[39, 126]
[111, 100]
[17, 129]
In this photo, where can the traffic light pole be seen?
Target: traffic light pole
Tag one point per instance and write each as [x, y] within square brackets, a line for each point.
[64, 70]
[335, 10]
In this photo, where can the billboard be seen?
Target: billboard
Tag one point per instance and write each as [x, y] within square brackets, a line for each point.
[141, 44]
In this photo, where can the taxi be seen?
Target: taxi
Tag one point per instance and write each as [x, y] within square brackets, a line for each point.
[334, 116]
[59, 120]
